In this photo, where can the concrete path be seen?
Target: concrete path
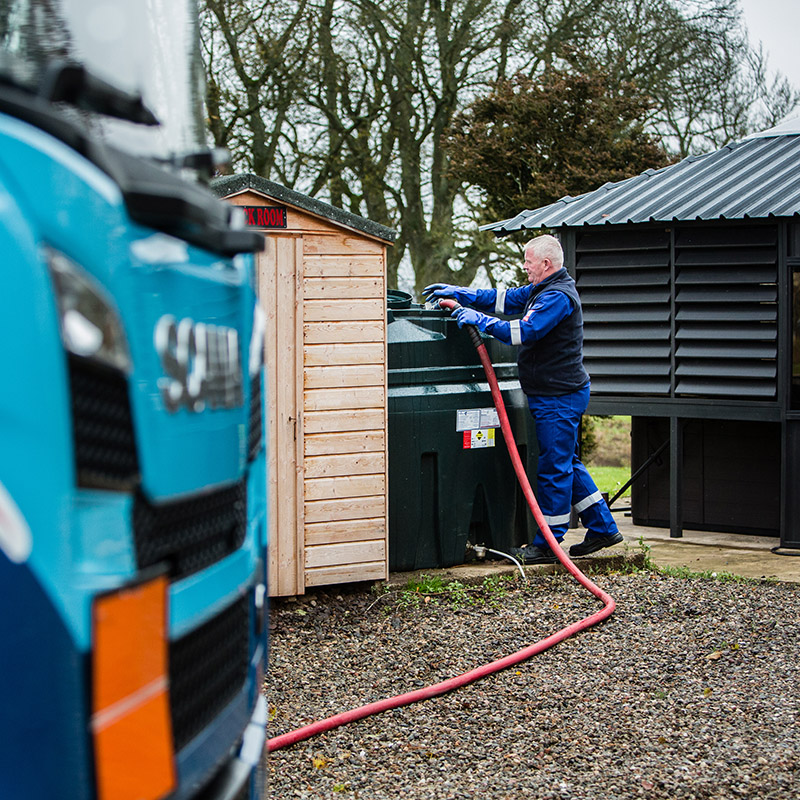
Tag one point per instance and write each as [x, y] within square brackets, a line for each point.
[698, 551]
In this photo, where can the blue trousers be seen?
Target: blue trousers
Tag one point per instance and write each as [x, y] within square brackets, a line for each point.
[563, 481]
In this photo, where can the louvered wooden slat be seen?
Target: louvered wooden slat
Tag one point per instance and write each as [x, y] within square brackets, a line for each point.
[630, 384]
[749, 293]
[608, 332]
[618, 296]
[627, 314]
[616, 241]
[639, 260]
[654, 277]
[629, 367]
[726, 236]
[733, 313]
[627, 349]
[623, 279]
[727, 274]
[741, 368]
[763, 390]
[748, 332]
[726, 311]
[710, 349]
[727, 256]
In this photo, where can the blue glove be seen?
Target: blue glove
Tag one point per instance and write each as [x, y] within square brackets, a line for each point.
[469, 316]
[461, 294]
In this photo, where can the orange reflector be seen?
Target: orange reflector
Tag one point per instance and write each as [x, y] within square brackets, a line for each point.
[130, 699]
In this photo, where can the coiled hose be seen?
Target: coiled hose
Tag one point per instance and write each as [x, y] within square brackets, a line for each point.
[321, 726]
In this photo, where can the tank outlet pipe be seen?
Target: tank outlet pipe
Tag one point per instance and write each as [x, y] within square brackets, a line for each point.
[481, 550]
[428, 692]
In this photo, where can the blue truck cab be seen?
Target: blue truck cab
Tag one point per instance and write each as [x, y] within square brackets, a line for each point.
[132, 465]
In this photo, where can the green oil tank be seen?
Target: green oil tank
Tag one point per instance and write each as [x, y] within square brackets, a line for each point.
[450, 476]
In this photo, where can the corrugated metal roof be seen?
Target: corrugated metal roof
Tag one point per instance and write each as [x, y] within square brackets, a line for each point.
[755, 178]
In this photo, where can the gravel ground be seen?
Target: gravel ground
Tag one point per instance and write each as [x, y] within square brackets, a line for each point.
[690, 690]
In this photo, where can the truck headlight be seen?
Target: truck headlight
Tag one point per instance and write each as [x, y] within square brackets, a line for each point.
[89, 321]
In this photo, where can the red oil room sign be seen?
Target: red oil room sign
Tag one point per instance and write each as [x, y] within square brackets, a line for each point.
[265, 216]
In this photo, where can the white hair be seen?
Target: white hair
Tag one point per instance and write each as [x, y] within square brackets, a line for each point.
[547, 246]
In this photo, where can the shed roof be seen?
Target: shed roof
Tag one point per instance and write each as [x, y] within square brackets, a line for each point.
[755, 178]
[236, 184]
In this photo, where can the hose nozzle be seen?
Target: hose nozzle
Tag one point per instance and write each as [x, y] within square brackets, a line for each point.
[452, 306]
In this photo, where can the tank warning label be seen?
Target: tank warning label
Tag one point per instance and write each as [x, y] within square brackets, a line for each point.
[474, 440]
[470, 419]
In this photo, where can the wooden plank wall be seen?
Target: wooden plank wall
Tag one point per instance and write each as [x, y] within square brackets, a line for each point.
[345, 407]
[279, 286]
[323, 288]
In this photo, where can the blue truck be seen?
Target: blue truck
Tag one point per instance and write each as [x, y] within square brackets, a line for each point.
[132, 464]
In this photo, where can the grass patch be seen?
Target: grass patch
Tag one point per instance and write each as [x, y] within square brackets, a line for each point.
[606, 441]
[722, 577]
[611, 479]
[435, 589]
[609, 453]
[429, 588]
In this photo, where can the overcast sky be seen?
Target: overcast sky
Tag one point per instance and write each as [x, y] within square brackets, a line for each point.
[776, 23]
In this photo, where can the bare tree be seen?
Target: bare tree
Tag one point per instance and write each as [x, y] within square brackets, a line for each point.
[254, 55]
[708, 85]
[348, 100]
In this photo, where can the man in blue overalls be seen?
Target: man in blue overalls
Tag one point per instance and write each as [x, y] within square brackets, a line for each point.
[552, 375]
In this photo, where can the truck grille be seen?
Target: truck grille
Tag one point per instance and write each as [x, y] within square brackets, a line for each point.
[254, 433]
[192, 534]
[102, 426]
[207, 669]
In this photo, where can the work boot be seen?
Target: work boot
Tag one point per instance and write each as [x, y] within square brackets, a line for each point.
[592, 542]
[531, 554]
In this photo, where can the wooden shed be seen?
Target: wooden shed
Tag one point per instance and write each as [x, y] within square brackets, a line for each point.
[322, 285]
[689, 278]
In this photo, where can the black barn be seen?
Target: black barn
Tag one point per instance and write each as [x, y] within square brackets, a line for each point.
[690, 283]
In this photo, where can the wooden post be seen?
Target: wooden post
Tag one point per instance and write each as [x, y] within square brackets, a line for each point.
[675, 477]
[281, 303]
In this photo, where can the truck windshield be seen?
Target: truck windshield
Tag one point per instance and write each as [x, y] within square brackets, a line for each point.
[148, 48]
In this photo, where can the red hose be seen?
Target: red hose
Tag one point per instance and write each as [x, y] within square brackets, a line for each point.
[321, 726]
